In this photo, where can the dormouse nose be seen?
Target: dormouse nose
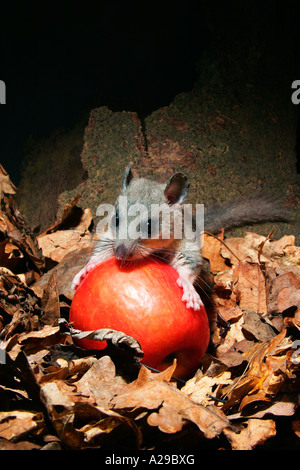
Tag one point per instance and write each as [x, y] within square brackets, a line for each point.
[121, 252]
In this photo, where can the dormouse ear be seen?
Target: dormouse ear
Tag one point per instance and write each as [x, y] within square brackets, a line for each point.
[177, 189]
[127, 177]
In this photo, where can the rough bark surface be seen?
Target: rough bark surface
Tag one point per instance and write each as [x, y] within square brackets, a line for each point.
[233, 133]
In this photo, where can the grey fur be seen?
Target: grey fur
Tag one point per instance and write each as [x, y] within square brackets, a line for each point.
[127, 177]
[183, 254]
[239, 212]
[254, 209]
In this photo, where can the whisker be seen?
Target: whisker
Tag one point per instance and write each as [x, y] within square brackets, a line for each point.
[197, 283]
[203, 291]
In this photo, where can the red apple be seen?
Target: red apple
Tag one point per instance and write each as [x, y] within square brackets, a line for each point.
[143, 301]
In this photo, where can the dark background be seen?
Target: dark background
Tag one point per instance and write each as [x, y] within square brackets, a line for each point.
[60, 60]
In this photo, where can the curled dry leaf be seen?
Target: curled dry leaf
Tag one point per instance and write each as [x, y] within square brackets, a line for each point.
[117, 338]
[56, 245]
[19, 248]
[152, 392]
[228, 308]
[19, 307]
[267, 371]
[6, 186]
[255, 432]
[16, 424]
[283, 405]
[33, 341]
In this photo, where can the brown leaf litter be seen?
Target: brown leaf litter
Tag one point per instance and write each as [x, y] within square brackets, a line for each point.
[246, 383]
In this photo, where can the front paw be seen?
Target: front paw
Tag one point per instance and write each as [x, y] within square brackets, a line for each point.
[78, 278]
[190, 295]
[81, 275]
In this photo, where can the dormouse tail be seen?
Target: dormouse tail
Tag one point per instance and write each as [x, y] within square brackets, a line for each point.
[242, 211]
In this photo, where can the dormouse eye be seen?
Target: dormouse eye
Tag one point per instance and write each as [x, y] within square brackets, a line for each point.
[115, 220]
[149, 227]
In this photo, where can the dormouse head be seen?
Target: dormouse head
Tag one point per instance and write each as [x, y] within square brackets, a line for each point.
[144, 214]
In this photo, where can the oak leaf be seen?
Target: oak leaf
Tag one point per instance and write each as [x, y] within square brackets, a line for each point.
[170, 406]
[250, 287]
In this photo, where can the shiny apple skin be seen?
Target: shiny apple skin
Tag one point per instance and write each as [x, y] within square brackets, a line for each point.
[143, 301]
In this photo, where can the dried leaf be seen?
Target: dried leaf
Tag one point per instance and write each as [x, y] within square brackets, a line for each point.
[211, 250]
[23, 445]
[296, 427]
[6, 186]
[263, 377]
[280, 252]
[285, 406]
[116, 338]
[256, 432]
[63, 371]
[20, 307]
[285, 292]
[254, 324]
[201, 389]
[228, 309]
[50, 302]
[250, 287]
[150, 391]
[101, 382]
[224, 279]
[77, 419]
[14, 226]
[16, 424]
[233, 335]
[58, 244]
[65, 272]
[34, 340]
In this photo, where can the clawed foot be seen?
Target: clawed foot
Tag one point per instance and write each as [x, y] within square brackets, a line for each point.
[190, 295]
[81, 275]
